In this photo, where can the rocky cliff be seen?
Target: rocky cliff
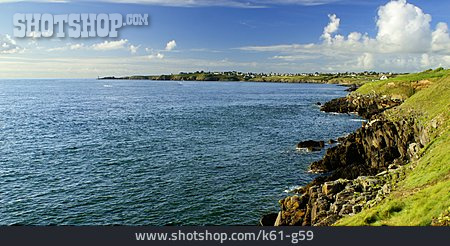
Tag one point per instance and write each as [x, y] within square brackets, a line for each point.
[361, 169]
[364, 105]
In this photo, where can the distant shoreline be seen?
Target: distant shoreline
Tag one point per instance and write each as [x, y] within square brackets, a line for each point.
[346, 79]
[350, 87]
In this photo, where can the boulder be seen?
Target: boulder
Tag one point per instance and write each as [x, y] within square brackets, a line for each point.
[311, 145]
[333, 187]
[413, 151]
[356, 209]
[346, 209]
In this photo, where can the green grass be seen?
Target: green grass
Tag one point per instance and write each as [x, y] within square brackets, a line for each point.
[425, 192]
[402, 85]
[434, 166]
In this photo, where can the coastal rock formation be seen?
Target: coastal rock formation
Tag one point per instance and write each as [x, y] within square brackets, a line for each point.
[372, 148]
[325, 203]
[361, 169]
[365, 105]
[311, 145]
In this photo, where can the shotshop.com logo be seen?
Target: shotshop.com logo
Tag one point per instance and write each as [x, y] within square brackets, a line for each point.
[74, 25]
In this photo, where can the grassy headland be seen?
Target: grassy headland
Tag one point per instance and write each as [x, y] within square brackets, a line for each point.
[331, 78]
[394, 170]
[423, 197]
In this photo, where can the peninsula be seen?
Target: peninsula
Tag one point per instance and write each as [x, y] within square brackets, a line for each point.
[347, 78]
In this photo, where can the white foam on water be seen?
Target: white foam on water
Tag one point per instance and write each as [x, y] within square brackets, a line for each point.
[358, 120]
[292, 188]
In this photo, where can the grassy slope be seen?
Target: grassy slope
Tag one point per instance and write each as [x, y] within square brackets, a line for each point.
[425, 193]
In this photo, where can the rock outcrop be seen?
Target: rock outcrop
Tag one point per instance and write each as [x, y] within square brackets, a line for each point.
[372, 148]
[361, 169]
[365, 105]
[311, 145]
[325, 203]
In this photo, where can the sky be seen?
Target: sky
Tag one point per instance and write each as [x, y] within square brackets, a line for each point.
[283, 36]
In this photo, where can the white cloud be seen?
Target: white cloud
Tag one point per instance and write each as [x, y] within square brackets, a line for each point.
[133, 48]
[35, 34]
[366, 61]
[93, 66]
[302, 57]
[9, 45]
[156, 55]
[122, 44]
[111, 45]
[68, 46]
[331, 28]
[425, 61]
[76, 46]
[171, 45]
[404, 41]
[403, 27]
[441, 38]
[159, 55]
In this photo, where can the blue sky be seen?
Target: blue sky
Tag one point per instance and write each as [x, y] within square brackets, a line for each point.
[251, 36]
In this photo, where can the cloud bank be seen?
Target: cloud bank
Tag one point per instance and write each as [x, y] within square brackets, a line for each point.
[8, 45]
[404, 41]
[111, 45]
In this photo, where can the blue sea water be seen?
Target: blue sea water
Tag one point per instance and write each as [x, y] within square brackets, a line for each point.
[98, 152]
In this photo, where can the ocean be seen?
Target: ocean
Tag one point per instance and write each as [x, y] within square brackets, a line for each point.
[123, 152]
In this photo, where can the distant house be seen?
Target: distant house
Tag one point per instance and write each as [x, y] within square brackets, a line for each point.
[384, 77]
